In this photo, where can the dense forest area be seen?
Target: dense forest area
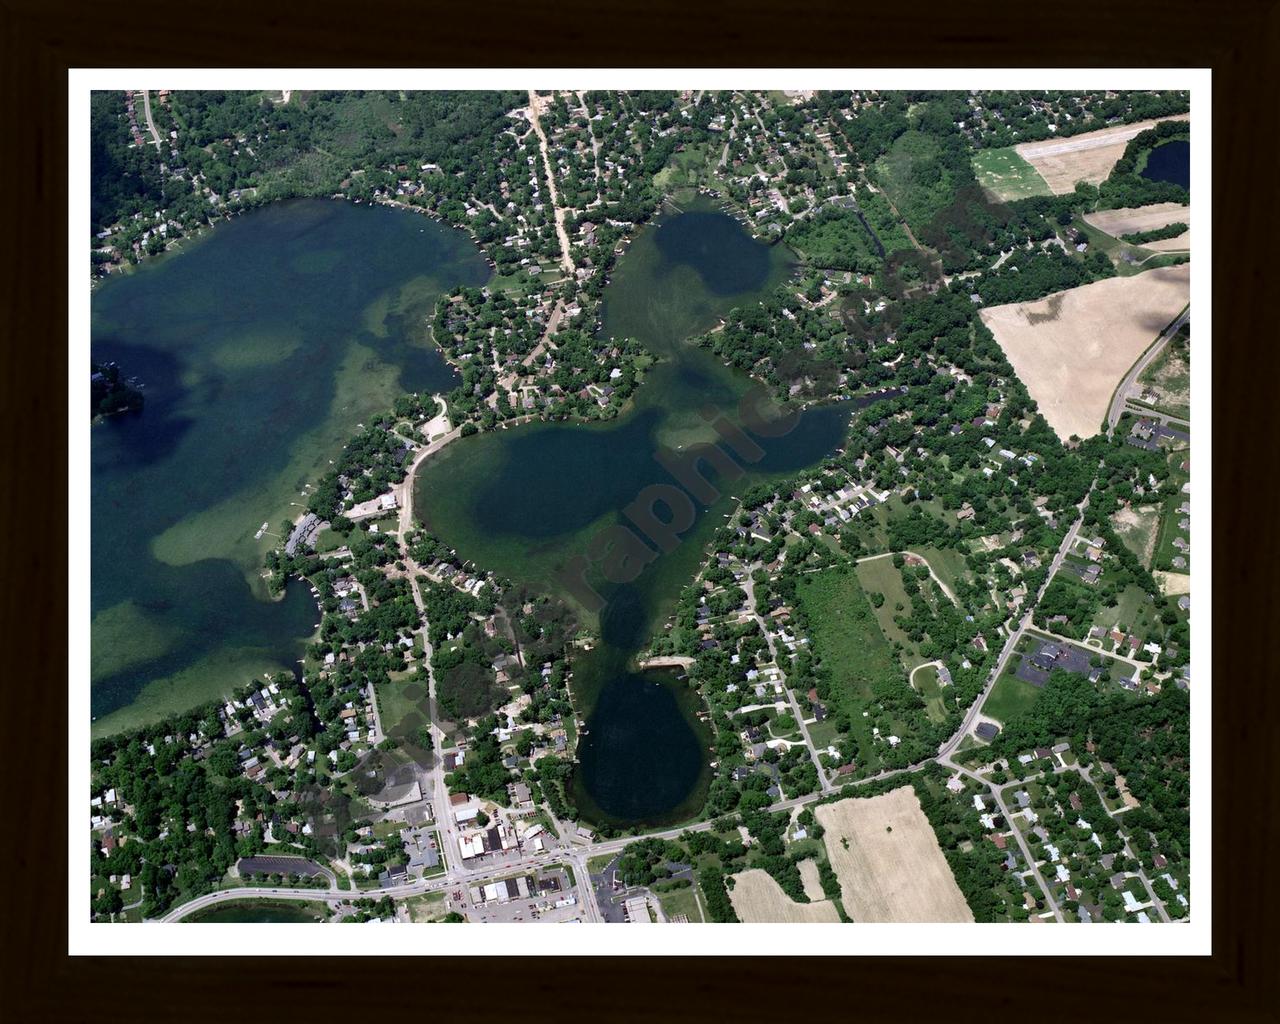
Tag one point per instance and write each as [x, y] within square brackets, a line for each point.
[237, 141]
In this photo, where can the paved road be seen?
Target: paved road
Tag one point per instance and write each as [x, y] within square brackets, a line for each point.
[1144, 360]
[146, 108]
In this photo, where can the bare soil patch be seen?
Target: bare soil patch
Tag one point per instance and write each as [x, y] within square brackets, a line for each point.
[1138, 527]
[1088, 157]
[1072, 349]
[1173, 582]
[1131, 220]
[758, 899]
[887, 858]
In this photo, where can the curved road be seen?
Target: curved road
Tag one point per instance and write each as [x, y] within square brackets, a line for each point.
[1121, 393]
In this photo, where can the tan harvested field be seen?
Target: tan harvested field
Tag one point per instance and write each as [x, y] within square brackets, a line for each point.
[892, 869]
[1131, 220]
[1073, 348]
[809, 876]
[1172, 583]
[1088, 157]
[758, 899]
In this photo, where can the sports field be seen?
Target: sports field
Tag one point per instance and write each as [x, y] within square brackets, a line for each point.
[758, 899]
[1073, 348]
[887, 858]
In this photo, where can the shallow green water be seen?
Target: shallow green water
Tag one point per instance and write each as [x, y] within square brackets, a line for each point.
[525, 501]
[261, 347]
[258, 912]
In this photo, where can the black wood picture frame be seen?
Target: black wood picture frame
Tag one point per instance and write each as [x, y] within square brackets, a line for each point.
[1238, 39]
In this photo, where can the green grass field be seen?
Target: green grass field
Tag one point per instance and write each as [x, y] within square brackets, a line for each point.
[692, 166]
[880, 576]
[947, 564]
[1006, 175]
[681, 901]
[427, 908]
[1009, 697]
[845, 632]
[851, 645]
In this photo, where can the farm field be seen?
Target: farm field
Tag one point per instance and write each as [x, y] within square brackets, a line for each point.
[887, 858]
[1088, 157]
[1072, 349]
[758, 899]
[1145, 218]
[1006, 175]
[809, 876]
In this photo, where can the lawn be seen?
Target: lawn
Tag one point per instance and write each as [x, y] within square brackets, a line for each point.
[402, 707]
[423, 909]
[328, 540]
[933, 692]
[681, 901]
[1166, 552]
[1009, 697]
[1134, 612]
[1006, 175]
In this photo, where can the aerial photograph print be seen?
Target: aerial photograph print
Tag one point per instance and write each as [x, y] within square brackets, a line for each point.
[651, 505]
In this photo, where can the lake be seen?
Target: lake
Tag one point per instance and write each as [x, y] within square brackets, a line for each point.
[523, 502]
[261, 346]
[1170, 161]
